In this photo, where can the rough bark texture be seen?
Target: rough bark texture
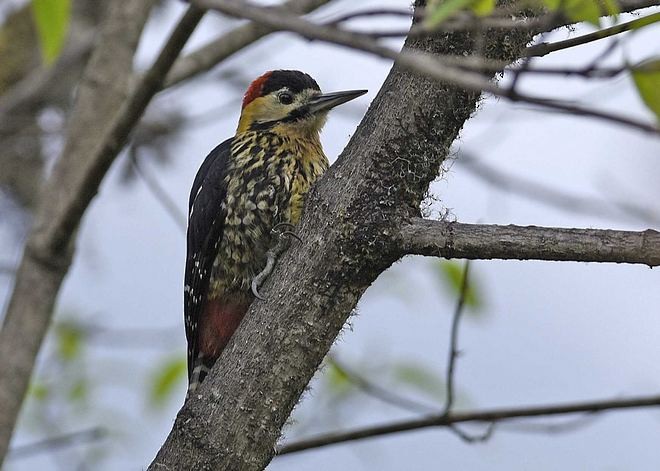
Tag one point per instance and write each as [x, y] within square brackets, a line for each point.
[348, 231]
[76, 179]
[104, 86]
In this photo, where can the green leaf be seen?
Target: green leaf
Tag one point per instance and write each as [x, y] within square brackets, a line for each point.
[420, 378]
[337, 379]
[51, 18]
[611, 8]
[451, 276]
[483, 7]
[646, 76]
[78, 391]
[578, 10]
[69, 340]
[165, 379]
[439, 11]
[39, 391]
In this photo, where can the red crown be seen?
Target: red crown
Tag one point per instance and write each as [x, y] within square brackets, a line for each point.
[255, 89]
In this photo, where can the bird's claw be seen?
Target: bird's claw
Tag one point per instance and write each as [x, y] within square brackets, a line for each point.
[288, 225]
[289, 232]
[271, 256]
[255, 290]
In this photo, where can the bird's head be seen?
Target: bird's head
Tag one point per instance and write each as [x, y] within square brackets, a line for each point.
[289, 101]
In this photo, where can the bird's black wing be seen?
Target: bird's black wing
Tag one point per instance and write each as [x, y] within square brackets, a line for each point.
[206, 219]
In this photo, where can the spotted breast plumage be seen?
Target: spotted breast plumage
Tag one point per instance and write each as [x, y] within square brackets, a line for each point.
[247, 186]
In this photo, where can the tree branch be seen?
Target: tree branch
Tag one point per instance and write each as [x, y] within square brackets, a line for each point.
[57, 442]
[216, 51]
[580, 204]
[76, 178]
[453, 338]
[73, 184]
[482, 241]
[488, 416]
[235, 418]
[421, 63]
[542, 49]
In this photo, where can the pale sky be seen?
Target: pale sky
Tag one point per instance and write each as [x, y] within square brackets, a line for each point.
[549, 332]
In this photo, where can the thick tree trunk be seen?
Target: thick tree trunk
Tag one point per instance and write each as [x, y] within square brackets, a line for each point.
[348, 231]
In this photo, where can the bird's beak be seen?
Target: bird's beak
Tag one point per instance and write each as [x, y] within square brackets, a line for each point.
[327, 101]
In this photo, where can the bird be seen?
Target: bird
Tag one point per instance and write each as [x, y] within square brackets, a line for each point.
[247, 194]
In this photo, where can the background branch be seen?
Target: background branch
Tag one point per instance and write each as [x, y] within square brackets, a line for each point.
[55, 443]
[211, 54]
[542, 49]
[488, 416]
[73, 184]
[419, 62]
[544, 194]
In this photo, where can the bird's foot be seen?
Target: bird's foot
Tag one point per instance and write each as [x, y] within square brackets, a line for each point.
[288, 230]
[271, 257]
[283, 230]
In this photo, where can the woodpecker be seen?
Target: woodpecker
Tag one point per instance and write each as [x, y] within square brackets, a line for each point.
[245, 189]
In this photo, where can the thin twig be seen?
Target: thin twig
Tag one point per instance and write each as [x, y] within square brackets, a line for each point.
[451, 362]
[217, 50]
[570, 425]
[453, 341]
[463, 22]
[419, 62]
[620, 210]
[542, 49]
[58, 442]
[138, 338]
[158, 192]
[589, 72]
[485, 416]
[374, 12]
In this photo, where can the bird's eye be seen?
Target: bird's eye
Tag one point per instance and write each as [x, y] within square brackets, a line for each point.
[285, 98]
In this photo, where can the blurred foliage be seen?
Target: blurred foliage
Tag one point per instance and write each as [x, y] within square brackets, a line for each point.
[406, 377]
[69, 340]
[646, 76]
[69, 393]
[38, 391]
[420, 378]
[337, 380]
[483, 7]
[577, 10]
[165, 379]
[585, 10]
[51, 18]
[439, 11]
[450, 275]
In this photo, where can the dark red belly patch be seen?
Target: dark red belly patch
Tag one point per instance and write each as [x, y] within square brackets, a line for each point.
[219, 321]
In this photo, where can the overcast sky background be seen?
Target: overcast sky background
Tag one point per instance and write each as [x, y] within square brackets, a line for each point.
[548, 332]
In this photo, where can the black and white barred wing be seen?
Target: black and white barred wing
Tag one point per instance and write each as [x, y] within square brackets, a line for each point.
[206, 220]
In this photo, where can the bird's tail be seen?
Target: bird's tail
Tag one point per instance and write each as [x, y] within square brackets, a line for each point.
[219, 321]
[201, 368]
